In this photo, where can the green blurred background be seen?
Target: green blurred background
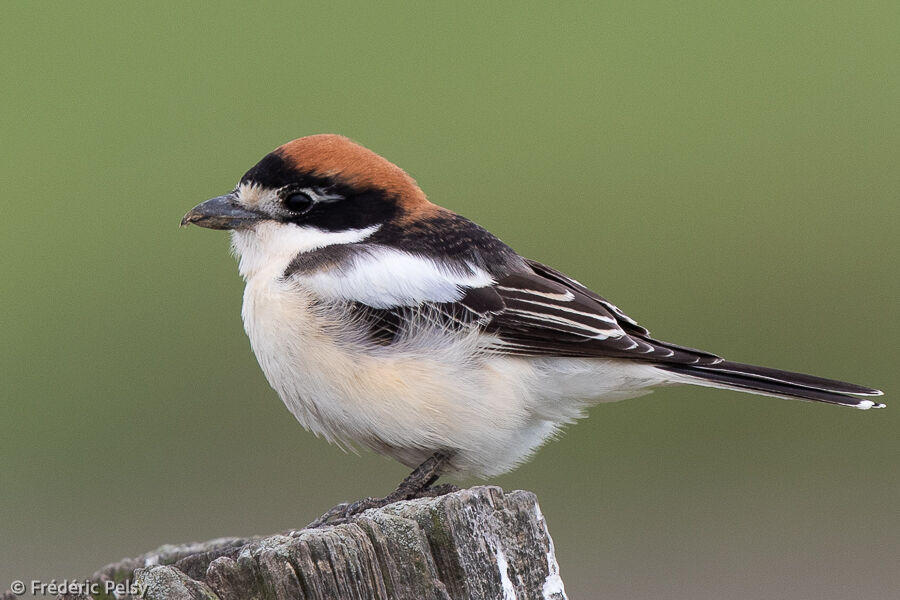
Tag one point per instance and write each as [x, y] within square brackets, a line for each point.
[724, 171]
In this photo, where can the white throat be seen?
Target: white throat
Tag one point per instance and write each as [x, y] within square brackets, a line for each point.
[271, 246]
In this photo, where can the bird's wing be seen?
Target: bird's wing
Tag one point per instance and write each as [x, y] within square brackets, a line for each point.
[530, 311]
[534, 312]
[545, 313]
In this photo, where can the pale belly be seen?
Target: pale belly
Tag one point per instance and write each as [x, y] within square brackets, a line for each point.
[408, 401]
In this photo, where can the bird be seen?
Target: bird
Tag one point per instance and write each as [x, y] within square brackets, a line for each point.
[387, 322]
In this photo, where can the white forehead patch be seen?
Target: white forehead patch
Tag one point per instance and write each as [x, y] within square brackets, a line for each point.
[255, 196]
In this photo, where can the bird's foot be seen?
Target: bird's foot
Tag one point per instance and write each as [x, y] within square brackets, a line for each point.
[340, 514]
[346, 511]
[419, 484]
[437, 490]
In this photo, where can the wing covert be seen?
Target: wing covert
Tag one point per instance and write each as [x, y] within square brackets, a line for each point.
[539, 312]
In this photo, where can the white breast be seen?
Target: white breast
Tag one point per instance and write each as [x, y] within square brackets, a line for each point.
[432, 392]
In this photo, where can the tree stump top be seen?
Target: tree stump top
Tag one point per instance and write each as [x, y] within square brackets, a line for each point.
[474, 544]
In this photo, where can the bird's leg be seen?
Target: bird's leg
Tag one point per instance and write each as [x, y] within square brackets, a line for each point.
[417, 484]
[421, 479]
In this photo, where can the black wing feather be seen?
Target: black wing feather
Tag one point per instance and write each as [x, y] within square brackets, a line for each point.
[542, 312]
[539, 312]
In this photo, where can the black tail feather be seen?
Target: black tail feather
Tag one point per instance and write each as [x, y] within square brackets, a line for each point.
[775, 382]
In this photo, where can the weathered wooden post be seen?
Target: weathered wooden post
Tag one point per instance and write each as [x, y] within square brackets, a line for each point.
[474, 544]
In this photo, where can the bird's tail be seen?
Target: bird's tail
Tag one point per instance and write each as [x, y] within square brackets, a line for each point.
[773, 382]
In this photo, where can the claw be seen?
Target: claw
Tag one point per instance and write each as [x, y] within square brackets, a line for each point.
[419, 484]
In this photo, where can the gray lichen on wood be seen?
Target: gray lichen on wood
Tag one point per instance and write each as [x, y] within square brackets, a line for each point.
[477, 543]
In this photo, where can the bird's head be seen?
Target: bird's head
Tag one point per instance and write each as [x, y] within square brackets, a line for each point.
[327, 191]
[318, 184]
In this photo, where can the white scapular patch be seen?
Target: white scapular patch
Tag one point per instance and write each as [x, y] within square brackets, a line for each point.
[383, 277]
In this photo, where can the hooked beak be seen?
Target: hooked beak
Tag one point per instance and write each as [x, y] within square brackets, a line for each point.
[222, 212]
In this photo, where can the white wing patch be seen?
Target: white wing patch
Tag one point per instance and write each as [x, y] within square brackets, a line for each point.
[384, 277]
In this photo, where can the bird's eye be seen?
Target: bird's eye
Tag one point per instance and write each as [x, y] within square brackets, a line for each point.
[298, 202]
